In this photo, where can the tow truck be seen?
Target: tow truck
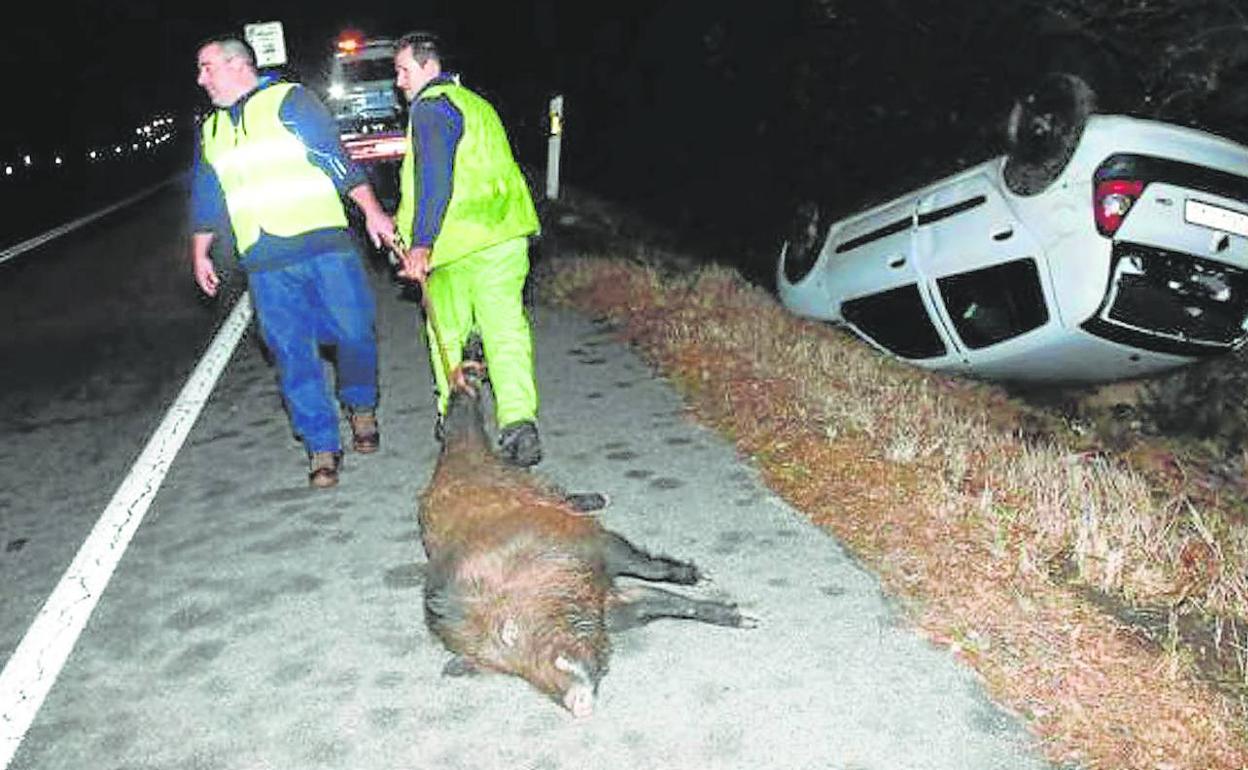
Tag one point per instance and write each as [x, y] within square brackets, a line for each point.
[362, 98]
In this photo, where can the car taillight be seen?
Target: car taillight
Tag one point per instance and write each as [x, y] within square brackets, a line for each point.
[373, 148]
[1112, 200]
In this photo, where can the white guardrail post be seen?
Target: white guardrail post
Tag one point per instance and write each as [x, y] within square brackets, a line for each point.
[553, 147]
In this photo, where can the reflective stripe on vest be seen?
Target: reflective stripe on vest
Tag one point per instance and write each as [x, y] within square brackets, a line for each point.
[263, 167]
[490, 201]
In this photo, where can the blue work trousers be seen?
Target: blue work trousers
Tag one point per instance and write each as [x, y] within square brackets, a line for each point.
[322, 300]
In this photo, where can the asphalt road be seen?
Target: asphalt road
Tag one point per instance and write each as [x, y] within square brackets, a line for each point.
[98, 329]
[256, 623]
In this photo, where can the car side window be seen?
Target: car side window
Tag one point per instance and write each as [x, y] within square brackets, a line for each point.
[996, 303]
[897, 321]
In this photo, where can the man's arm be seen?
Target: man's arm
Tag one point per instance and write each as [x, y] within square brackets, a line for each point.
[208, 216]
[308, 119]
[201, 262]
[437, 127]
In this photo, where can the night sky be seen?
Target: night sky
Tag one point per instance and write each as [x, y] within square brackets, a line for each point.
[89, 67]
[706, 112]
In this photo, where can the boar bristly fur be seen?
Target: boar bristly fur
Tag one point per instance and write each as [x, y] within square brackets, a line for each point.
[521, 582]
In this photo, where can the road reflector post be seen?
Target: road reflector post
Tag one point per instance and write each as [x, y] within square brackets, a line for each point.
[553, 147]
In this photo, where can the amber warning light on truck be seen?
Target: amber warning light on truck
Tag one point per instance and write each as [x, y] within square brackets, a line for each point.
[349, 42]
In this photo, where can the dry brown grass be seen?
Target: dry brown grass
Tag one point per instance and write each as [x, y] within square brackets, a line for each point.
[989, 538]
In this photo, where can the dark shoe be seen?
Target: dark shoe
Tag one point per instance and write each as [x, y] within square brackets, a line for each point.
[439, 428]
[323, 469]
[519, 445]
[365, 438]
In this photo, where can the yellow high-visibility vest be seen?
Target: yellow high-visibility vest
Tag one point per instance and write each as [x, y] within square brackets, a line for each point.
[490, 201]
[263, 167]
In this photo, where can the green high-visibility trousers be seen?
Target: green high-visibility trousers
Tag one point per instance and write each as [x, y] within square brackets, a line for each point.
[483, 290]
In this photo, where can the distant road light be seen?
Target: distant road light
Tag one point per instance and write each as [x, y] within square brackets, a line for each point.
[117, 149]
[8, 171]
[26, 159]
[91, 155]
[58, 160]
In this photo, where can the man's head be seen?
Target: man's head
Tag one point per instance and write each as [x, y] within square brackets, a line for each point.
[417, 60]
[227, 70]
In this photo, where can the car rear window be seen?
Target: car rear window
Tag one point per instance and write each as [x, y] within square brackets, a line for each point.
[996, 303]
[367, 70]
[897, 321]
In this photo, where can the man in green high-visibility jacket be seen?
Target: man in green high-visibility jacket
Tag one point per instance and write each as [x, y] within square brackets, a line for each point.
[466, 214]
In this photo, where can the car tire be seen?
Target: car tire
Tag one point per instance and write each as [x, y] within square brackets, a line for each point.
[1043, 131]
[806, 232]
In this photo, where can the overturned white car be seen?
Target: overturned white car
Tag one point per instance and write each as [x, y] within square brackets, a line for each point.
[1114, 247]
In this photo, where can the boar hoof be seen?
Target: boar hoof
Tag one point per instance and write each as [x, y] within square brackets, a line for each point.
[459, 666]
[579, 699]
[587, 502]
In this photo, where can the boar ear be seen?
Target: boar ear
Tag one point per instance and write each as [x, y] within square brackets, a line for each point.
[510, 633]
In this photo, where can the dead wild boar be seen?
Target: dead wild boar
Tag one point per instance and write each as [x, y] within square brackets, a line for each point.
[519, 581]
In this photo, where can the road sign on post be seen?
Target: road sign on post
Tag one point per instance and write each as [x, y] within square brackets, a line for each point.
[553, 146]
[268, 41]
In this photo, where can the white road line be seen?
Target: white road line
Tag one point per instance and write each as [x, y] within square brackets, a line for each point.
[31, 671]
[57, 232]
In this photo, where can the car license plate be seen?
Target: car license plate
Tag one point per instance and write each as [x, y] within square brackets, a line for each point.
[1216, 217]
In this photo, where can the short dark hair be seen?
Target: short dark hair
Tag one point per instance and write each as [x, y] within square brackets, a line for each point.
[232, 48]
[424, 45]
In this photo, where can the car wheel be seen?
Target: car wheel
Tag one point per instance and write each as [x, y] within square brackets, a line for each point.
[806, 233]
[1043, 131]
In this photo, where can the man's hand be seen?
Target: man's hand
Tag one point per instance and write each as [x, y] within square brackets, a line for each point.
[206, 276]
[205, 271]
[380, 228]
[377, 222]
[414, 265]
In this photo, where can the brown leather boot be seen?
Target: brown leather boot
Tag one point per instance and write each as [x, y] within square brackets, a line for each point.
[365, 438]
[323, 469]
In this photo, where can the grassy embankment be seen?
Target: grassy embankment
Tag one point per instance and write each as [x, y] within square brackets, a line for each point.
[1030, 551]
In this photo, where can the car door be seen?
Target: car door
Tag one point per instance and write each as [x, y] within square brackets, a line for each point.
[983, 271]
[878, 289]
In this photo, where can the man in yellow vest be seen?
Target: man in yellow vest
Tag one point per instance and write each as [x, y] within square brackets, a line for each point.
[270, 164]
[466, 213]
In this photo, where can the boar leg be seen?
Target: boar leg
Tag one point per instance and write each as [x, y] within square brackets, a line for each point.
[586, 502]
[638, 605]
[460, 666]
[624, 558]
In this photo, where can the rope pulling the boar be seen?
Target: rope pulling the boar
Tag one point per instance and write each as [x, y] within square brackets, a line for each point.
[456, 377]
